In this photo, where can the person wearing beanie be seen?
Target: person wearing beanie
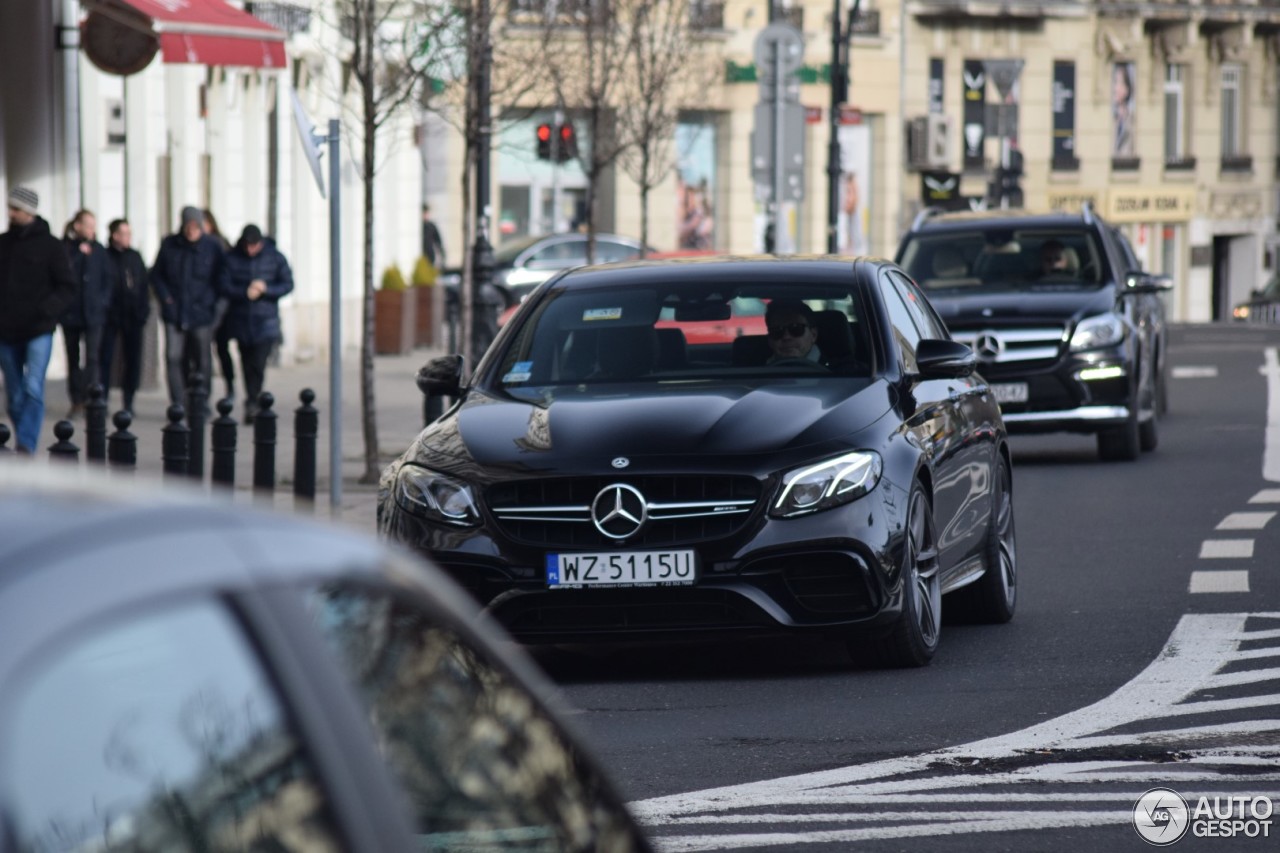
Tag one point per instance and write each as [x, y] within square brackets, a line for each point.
[185, 280]
[36, 285]
[255, 275]
[83, 323]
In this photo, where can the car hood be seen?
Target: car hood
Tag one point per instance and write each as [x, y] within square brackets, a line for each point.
[584, 431]
[1058, 306]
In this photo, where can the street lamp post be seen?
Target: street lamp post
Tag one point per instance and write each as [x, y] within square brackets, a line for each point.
[483, 326]
[841, 33]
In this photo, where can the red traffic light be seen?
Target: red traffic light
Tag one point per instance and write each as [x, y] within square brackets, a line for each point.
[544, 133]
[566, 131]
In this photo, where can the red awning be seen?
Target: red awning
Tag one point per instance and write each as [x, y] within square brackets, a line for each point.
[202, 32]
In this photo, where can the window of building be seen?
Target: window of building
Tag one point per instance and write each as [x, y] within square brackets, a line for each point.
[1232, 115]
[1175, 114]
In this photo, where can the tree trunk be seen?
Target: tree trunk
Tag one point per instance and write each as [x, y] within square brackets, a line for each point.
[645, 187]
[368, 407]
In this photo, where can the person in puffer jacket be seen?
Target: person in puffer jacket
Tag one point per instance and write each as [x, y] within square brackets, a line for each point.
[255, 275]
[84, 323]
[185, 280]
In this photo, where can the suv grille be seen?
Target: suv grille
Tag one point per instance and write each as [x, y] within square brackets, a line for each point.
[684, 509]
[1023, 347]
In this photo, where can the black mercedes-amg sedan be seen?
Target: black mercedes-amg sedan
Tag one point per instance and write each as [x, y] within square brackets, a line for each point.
[599, 477]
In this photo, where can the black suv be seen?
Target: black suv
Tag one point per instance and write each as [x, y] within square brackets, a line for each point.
[1069, 330]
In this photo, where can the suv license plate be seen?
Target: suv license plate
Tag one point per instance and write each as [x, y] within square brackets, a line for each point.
[627, 568]
[1009, 392]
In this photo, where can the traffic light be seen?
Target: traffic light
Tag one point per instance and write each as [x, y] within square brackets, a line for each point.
[544, 141]
[568, 149]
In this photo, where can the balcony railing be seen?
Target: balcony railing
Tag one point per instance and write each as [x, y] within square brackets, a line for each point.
[290, 17]
[706, 16]
[1237, 163]
[867, 23]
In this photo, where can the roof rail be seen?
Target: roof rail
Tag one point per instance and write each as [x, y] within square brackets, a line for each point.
[924, 216]
[1087, 210]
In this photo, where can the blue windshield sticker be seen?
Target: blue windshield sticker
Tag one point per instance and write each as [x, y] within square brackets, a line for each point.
[520, 372]
[601, 314]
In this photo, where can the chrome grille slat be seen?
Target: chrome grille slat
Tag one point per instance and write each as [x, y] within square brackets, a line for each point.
[1031, 344]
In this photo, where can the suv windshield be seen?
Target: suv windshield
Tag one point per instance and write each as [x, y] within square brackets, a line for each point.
[647, 333]
[1004, 259]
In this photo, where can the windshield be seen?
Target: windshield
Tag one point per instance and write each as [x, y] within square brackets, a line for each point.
[686, 333]
[1005, 259]
[507, 252]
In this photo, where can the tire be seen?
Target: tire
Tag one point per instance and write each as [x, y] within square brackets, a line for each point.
[994, 596]
[1149, 435]
[913, 639]
[1123, 443]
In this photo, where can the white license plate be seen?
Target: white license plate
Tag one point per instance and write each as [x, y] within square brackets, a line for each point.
[625, 568]
[1009, 392]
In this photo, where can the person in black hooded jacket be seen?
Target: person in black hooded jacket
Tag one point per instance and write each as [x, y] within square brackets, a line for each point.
[36, 284]
[84, 322]
[185, 280]
[130, 305]
[255, 275]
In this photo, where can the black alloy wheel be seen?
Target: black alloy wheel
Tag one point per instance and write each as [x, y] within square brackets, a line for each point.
[1122, 443]
[994, 596]
[1148, 431]
[914, 637]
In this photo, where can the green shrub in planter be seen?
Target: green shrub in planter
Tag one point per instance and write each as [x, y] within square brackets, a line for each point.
[425, 273]
[393, 279]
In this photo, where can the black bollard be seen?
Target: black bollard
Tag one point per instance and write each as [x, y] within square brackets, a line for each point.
[223, 438]
[197, 406]
[63, 450]
[306, 427]
[264, 445]
[5, 435]
[175, 446]
[122, 445]
[95, 424]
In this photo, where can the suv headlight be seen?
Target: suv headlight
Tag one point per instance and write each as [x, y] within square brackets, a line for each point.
[430, 494]
[827, 484]
[1102, 330]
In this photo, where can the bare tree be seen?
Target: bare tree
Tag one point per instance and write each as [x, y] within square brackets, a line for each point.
[390, 56]
[665, 72]
[586, 45]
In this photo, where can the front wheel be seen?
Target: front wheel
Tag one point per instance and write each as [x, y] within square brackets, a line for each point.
[1122, 443]
[914, 637]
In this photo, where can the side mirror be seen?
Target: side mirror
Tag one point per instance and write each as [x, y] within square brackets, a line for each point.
[1136, 281]
[938, 359]
[441, 377]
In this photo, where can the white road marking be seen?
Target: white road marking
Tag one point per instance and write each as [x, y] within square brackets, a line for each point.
[1266, 496]
[1245, 521]
[1194, 372]
[1219, 581]
[1226, 549]
[881, 793]
[1271, 449]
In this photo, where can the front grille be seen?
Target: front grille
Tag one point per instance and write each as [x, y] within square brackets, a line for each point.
[682, 509]
[1021, 347]
[639, 610]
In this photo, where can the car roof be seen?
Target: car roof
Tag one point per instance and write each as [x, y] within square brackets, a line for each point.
[812, 269]
[1010, 218]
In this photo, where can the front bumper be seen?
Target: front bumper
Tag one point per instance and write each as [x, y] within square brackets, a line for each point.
[1079, 392]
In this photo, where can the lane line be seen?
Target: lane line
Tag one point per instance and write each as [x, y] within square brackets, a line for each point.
[1230, 581]
[1226, 549]
[1245, 521]
[1266, 496]
[1271, 451]
[1188, 371]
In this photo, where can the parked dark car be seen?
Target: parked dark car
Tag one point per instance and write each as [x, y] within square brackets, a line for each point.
[1066, 326]
[178, 675]
[602, 478]
[1263, 305]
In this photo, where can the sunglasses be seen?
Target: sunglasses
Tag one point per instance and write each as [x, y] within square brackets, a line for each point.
[794, 330]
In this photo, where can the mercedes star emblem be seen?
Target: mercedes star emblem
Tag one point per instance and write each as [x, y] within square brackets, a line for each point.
[988, 347]
[619, 511]
[621, 462]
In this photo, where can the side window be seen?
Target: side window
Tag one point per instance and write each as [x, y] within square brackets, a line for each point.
[607, 251]
[919, 308]
[159, 733]
[1126, 250]
[563, 253]
[904, 328]
[481, 764]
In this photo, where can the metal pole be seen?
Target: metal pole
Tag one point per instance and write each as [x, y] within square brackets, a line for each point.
[483, 312]
[555, 173]
[335, 321]
[833, 125]
[778, 94]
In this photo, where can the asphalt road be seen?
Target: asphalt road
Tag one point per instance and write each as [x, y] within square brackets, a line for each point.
[1036, 735]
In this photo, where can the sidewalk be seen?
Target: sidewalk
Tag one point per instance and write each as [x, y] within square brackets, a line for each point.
[399, 414]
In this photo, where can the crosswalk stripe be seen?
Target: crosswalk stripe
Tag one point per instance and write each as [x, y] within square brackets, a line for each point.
[1266, 496]
[1189, 371]
[1225, 549]
[1245, 521]
[1233, 581]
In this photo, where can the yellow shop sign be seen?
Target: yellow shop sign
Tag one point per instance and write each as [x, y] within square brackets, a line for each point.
[1150, 204]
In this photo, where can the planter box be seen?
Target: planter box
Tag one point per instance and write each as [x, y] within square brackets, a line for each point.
[395, 317]
[430, 311]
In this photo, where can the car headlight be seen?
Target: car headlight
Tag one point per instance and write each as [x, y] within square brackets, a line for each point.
[827, 484]
[1240, 312]
[1102, 330]
[430, 494]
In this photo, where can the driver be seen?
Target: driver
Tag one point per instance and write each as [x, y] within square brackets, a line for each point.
[793, 332]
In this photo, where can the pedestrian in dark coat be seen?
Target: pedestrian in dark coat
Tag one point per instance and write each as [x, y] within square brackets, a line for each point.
[255, 275]
[221, 340]
[130, 306]
[36, 286]
[83, 323]
[185, 281]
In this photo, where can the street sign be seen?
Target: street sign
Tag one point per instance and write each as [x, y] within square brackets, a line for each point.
[1003, 73]
[790, 53]
[792, 154]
